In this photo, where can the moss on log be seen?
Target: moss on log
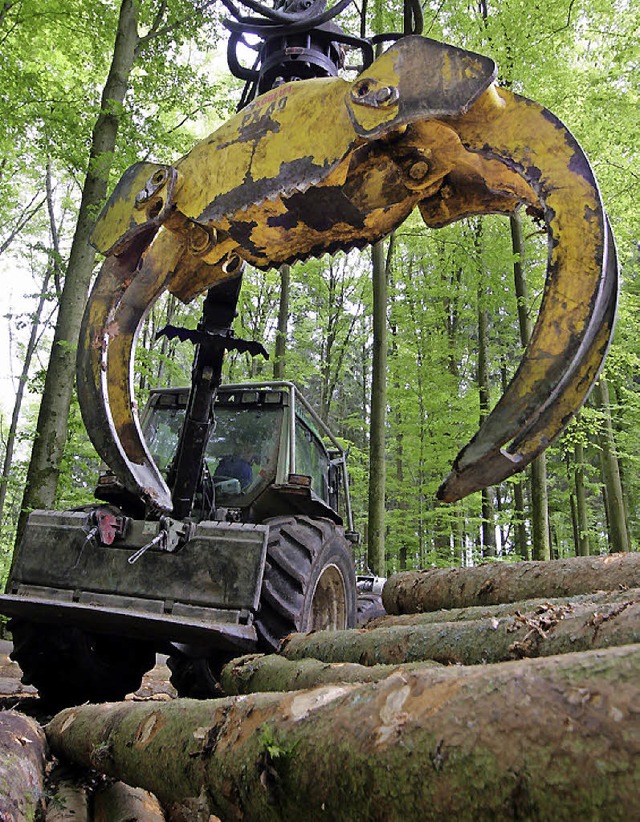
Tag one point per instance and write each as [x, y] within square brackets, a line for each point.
[23, 753]
[555, 738]
[257, 672]
[497, 582]
[552, 630]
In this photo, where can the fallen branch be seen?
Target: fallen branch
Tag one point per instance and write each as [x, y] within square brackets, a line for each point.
[415, 746]
[497, 582]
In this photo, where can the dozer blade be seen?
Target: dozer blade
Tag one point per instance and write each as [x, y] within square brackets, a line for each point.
[422, 126]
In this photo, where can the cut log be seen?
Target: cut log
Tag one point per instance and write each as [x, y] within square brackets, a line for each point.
[473, 612]
[23, 753]
[414, 591]
[257, 672]
[552, 630]
[555, 738]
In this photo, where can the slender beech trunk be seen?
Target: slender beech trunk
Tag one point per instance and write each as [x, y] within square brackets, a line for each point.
[283, 320]
[493, 583]
[618, 537]
[488, 524]
[435, 743]
[541, 548]
[377, 451]
[583, 548]
[51, 429]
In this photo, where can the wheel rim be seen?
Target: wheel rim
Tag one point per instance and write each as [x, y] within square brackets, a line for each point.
[329, 601]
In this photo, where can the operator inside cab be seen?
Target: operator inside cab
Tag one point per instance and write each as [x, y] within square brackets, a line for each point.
[238, 465]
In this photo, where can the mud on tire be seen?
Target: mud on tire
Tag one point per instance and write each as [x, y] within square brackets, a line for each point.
[309, 580]
[69, 666]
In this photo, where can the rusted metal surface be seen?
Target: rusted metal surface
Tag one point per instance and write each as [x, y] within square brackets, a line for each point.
[423, 126]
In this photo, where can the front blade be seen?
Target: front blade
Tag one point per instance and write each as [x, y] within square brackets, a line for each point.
[575, 324]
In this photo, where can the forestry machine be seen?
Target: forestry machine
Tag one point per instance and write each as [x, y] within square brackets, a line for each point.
[219, 530]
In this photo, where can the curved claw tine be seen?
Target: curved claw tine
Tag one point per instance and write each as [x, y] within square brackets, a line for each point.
[105, 356]
[127, 287]
[575, 324]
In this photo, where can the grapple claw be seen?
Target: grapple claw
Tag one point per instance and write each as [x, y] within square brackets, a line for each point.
[576, 319]
[422, 126]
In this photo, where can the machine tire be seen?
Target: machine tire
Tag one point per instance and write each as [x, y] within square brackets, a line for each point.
[309, 584]
[69, 666]
[309, 580]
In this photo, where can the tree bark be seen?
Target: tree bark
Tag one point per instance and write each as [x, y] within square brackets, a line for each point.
[537, 739]
[490, 584]
[23, 753]
[51, 430]
[551, 630]
[257, 673]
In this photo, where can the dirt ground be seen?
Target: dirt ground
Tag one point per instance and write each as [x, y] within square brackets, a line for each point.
[13, 694]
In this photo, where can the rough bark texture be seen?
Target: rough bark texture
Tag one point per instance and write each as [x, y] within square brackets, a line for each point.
[23, 753]
[544, 739]
[553, 630]
[493, 583]
[257, 673]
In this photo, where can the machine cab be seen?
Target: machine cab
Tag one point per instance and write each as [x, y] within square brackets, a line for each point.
[267, 453]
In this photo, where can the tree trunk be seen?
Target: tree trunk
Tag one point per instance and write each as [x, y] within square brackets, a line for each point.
[582, 546]
[488, 517]
[558, 629]
[51, 429]
[23, 753]
[283, 320]
[618, 537]
[414, 591]
[457, 743]
[540, 547]
[377, 452]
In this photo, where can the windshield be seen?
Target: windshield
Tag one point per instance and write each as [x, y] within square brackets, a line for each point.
[243, 445]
